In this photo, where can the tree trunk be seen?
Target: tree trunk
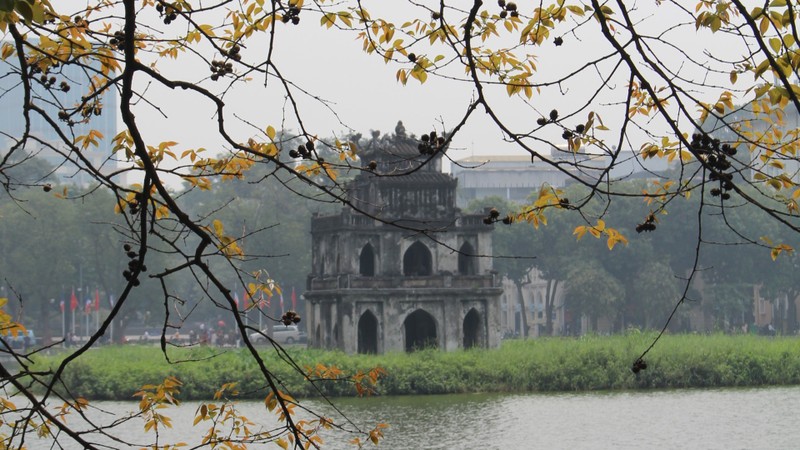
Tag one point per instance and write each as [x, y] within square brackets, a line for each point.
[549, 301]
[523, 311]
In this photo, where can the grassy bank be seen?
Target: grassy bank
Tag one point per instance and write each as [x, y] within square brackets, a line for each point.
[589, 363]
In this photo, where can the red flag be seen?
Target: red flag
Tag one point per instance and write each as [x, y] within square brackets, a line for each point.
[61, 305]
[73, 301]
[96, 300]
[87, 308]
[294, 300]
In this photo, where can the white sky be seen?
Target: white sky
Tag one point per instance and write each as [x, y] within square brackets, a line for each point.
[365, 94]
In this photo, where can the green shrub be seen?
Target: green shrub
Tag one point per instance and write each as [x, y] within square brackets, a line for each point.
[546, 364]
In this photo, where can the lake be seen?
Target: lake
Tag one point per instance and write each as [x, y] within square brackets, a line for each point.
[708, 419]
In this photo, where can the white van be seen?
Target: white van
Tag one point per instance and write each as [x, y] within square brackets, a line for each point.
[282, 334]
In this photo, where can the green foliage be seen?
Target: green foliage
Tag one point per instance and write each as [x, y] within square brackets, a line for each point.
[549, 364]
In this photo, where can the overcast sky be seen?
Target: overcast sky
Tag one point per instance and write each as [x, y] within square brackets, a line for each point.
[365, 95]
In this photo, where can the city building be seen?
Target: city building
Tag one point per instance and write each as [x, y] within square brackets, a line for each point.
[515, 177]
[46, 141]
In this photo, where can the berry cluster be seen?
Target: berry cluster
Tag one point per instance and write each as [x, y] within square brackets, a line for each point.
[133, 205]
[303, 151]
[118, 40]
[494, 216]
[638, 365]
[168, 13]
[292, 15]
[544, 121]
[290, 317]
[648, 225]
[134, 265]
[716, 156]
[47, 82]
[558, 41]
[430, 143]
[569, 134]
[88, 110]
[509, 9]
[80, 22]
[220, 69]
[233, 53]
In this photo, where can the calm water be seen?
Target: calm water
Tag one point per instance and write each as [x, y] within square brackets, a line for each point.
[764, 418]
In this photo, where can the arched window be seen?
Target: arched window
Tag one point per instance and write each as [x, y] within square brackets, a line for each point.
[420, 331]
[366, 265]
[417, 260]
[368, 333]
[466, 260]
[473, 336]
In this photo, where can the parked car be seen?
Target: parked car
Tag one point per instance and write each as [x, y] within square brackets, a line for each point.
[22, 341]
[282, 334]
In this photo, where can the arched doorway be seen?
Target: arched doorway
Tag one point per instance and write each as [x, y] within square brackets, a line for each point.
[417, 260]
[368, 333]
[466, 259]
[472, 330]
[420, 331]
[366, 266]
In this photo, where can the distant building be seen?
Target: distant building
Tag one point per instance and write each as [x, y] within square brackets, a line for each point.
[749, 161]
[515, 177]
[381, 285]
[534, 293]
[46, 142]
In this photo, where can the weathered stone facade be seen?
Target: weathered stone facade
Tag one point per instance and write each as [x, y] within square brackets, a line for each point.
[411, 277]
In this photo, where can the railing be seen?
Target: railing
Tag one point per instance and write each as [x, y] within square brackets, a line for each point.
[320, 223]
[402, 282]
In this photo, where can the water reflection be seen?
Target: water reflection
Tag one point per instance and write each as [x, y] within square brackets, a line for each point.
[709, 419]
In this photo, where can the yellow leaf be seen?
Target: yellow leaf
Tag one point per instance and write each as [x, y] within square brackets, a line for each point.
[327, 20]
[579, 231]
[8, 50]
[218, 228]
[271, 132]
[601, 225]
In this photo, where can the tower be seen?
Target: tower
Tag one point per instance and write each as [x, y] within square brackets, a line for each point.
[403, 269]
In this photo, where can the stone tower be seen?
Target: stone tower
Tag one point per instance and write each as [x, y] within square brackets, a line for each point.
[408, 279]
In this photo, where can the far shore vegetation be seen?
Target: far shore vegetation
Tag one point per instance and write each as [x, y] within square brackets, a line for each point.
[540, 365]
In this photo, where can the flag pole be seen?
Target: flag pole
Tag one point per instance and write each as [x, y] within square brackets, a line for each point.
[111, 307]
[63, 319]
[96, 308]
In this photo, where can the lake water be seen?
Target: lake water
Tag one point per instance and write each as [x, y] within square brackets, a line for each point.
[762, 418]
